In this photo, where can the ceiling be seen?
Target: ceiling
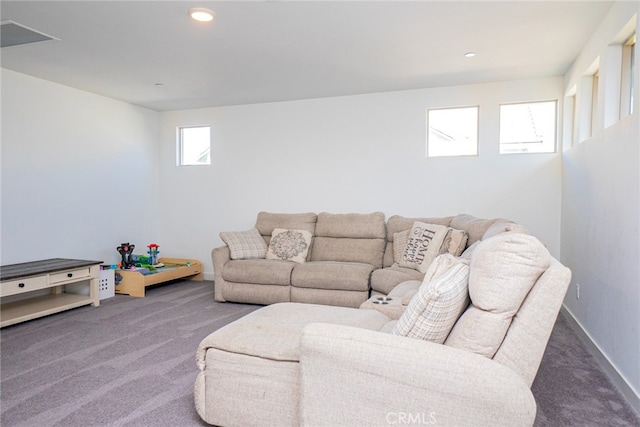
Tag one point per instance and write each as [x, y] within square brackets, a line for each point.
[150, 53]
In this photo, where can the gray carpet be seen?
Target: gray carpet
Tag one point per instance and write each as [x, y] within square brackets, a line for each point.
[131, 362]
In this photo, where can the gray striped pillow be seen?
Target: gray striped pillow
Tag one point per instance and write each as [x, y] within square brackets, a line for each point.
[439, 302]
[245, 244]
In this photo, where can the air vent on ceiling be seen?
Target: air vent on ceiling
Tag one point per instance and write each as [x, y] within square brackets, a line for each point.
[12, 34]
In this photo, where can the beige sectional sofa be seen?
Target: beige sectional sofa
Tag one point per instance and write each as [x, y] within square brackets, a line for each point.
[351, 257]
[461, 347]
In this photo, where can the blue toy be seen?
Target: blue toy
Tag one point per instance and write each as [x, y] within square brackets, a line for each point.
[153, 253]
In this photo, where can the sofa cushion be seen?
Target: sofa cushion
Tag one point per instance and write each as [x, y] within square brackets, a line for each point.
[349, 276]
[337, 297]
[385, 279]
[267, 222]
[273, 332]
[289, 245]
[261, 271]
[440, 300]
[405, 291]
[350, 238]
[504, 226]
[475, 227]
[244, 244]
[367, 251]
[423, 245]
[351, 225]
[504, 268]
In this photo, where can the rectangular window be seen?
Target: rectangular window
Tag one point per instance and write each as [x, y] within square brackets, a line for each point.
[587, 101]
[595, 82]
[627, 83]
[569, 120]
[528, 127]
[452, 132]
[194, 146]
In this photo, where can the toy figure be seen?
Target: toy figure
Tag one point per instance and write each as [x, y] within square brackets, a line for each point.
[153, 253]
[126, 250]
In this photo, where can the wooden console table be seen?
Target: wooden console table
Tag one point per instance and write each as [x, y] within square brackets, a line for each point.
[71, 283]
[134, 283]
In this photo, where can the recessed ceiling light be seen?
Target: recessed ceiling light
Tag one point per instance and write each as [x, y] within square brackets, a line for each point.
[201, 14]
[470, 54]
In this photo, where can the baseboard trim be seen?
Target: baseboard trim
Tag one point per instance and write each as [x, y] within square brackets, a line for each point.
[207, 276]
[631, 396]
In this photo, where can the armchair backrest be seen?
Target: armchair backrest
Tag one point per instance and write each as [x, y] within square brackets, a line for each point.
[516, 289]
[527, 337]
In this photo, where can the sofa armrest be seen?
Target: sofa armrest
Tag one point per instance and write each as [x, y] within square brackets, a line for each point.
[219, 257]
[396, 301]
[405, 291]
[352, 376]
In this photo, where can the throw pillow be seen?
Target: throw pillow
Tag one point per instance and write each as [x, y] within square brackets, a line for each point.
[454, 242]
[400, 240]
[423, 245]
[439, 302]
[245, 244]
[441, 265]
[289, 245]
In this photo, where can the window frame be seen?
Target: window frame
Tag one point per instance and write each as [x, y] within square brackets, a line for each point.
[595, 86]
[180, 155]
[555, 128]
[476, 136]
[627, 76]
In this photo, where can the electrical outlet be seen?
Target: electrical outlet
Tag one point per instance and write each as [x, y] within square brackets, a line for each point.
[577, 290]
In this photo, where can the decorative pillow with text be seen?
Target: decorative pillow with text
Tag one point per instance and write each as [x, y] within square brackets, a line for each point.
[423, 245]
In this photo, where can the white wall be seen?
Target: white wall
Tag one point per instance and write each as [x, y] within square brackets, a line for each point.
[601, 214]
[79, 172]
[359, 153]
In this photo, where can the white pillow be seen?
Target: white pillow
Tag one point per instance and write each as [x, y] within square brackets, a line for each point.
[423, 245]
[439, 302]
[245, 244]
[289, 245]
